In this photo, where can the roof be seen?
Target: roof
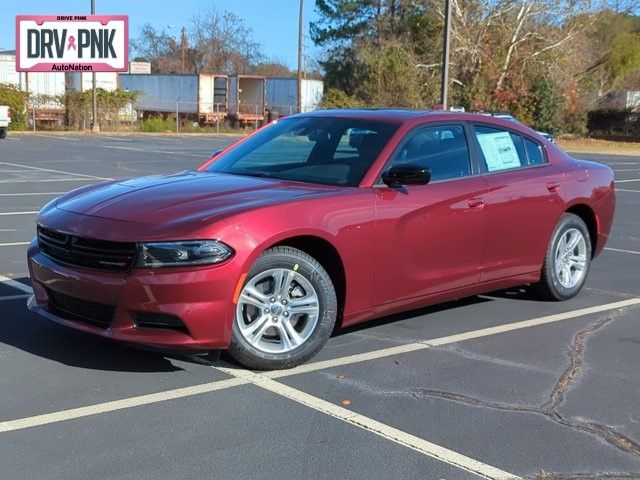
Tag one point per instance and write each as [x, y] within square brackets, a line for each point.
[398, 115]
[389, 114]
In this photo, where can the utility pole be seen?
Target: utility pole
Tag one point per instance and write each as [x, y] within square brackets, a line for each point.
[444, 84]
[94, 125]
[183, 47]
[300, 33]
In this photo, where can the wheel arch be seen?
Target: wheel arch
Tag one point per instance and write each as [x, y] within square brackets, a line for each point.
[328, 256]
[588, 216]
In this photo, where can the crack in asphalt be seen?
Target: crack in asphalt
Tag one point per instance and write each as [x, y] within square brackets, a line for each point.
[544, 475]
[556, 397]
[549, 409]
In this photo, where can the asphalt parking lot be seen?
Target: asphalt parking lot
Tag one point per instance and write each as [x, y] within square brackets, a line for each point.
[494, 386]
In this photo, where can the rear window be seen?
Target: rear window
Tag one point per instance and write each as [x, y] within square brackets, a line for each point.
[535, 152]
[505, 150]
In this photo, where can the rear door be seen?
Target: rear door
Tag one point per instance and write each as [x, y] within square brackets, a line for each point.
[429, 238]
[523, 204]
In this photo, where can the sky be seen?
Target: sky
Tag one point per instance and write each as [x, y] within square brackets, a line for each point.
[274, 22]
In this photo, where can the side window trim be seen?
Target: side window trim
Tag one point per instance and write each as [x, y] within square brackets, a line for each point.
[473, 167]
[480, 159]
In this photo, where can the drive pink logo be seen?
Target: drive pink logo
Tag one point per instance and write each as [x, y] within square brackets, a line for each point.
[59, 43]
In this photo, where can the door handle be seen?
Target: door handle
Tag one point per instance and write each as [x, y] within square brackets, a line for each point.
[476, 203]
[553, 187]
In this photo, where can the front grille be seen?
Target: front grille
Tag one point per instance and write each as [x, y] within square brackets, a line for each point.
[85, 252]
[74, 308]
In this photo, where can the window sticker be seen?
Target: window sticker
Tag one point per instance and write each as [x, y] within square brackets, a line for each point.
[499, 151]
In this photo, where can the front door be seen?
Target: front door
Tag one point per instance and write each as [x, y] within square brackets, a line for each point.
[430, 238]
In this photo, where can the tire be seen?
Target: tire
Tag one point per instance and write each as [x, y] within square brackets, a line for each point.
[3, 133]
[563, 279]
[277, 327]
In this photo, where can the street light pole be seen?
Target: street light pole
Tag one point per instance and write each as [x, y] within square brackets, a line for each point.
[444, 84]
[95, 127]
[300, 32]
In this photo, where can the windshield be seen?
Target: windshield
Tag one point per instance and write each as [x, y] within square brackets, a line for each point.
[331, 151]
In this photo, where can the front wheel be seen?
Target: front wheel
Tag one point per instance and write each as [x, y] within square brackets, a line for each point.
[567, 260]
[3, 133]
[285, 312]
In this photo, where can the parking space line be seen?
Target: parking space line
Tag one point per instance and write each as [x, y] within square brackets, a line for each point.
[412, 347]
[68, 139]
[29, 194]
[14, 244]
[626, 190]
[622, 251]
[163, 152]
[63, 415]
[17, 285]
[13, 297]
[628, 170]
[627, 181]
[29, 167]
[52, 180]
[8, 214]
[387, 432]
[131, 402]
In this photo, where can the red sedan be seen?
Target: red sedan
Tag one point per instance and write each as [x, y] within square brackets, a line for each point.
[331, 216]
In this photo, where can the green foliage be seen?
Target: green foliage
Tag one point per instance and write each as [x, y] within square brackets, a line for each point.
[547, 104]
[613, 122]
[335, 98]
[157, 124]
[16, 100]
[112, 106]
[625, 55]
[391, 77]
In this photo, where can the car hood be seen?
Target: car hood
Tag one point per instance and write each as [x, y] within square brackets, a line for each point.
[182, 197]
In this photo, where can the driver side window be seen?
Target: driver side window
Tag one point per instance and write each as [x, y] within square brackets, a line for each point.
[441, 148]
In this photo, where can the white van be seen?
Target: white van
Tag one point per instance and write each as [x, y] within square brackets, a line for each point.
[5, 120]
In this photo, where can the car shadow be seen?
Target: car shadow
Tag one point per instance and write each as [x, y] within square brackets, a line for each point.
[524, 293]
[398, 317]
[24, 330]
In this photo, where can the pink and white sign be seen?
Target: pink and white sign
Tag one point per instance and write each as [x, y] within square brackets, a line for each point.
[72, 43]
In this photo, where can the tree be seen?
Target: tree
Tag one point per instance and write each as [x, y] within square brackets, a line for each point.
[216, 41]
[272, 68]
[224, 43]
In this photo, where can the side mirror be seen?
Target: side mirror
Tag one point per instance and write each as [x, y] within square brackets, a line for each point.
[406, 175]
[215, 153]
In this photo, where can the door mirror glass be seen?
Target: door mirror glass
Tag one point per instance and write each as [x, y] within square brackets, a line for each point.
[406, 175]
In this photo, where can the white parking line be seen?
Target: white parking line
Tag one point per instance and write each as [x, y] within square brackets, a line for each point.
[29, 167]
[73, 413]
[628, 170]
[385, 431]
[17, 285]
[63, 415]
[13, 297]
[627, 181]
[626, 190]
[68, 139]
[621, 250]
[14, 244]
[52, 180]
[29, 194]
[6, 214]
[485, 332]
[163, 152]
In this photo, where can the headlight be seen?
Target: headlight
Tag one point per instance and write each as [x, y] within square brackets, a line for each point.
[178, 254]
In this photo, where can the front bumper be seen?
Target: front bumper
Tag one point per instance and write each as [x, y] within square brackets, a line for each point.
[200, 297]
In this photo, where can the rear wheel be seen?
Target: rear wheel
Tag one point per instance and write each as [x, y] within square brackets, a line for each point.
[567, 260]
[285, 312]
[3, 133]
